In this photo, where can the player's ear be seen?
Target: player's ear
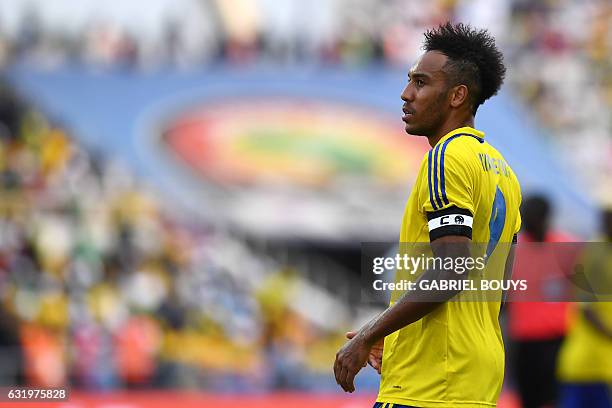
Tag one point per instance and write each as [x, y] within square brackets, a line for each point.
[458, 95]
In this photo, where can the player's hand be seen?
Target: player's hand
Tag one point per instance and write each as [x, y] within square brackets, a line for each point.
[351, 358]
[376, 352]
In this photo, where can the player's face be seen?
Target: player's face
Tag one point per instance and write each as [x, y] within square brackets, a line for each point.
[425, 96]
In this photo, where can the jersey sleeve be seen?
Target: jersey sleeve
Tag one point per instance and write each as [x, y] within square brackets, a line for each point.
[447, 196]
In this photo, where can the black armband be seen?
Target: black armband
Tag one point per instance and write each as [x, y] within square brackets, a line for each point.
[450, 221]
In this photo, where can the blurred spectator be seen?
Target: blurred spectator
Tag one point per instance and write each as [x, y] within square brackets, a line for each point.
[11, 352]
[137, 345]
[536, 329]
[585, 368]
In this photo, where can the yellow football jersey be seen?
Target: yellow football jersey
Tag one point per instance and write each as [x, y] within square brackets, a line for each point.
[454, 356]
[586, 354]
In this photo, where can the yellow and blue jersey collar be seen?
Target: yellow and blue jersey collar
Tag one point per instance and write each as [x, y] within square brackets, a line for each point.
[463, 131]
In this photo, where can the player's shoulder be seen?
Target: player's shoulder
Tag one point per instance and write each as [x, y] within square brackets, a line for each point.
[463, 144]
[459, 152]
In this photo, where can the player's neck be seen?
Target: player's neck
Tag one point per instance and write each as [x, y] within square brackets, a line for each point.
[449, 126]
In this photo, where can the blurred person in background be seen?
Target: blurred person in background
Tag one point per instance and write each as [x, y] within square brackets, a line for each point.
[11, 352]
[585, 361]
[536, 329]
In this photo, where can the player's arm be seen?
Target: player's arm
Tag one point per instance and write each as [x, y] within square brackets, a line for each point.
[411, 307]
[415, 304]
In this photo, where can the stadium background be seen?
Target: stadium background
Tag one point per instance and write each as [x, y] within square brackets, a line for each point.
[185, 185]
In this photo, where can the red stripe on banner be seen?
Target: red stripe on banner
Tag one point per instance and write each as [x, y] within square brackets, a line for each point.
[164, 399]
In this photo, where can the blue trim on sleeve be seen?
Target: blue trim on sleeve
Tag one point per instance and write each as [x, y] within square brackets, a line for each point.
[429, 181]
[435, 174]
[442, 181]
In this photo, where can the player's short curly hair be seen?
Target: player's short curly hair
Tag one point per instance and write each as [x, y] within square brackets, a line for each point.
[473, 59]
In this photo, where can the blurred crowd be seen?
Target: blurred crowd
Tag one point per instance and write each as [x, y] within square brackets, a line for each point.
[561, 56]
[559, 51]
[102, 285]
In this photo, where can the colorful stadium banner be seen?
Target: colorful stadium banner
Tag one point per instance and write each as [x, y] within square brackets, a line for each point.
[295, 141]
[293, 167]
